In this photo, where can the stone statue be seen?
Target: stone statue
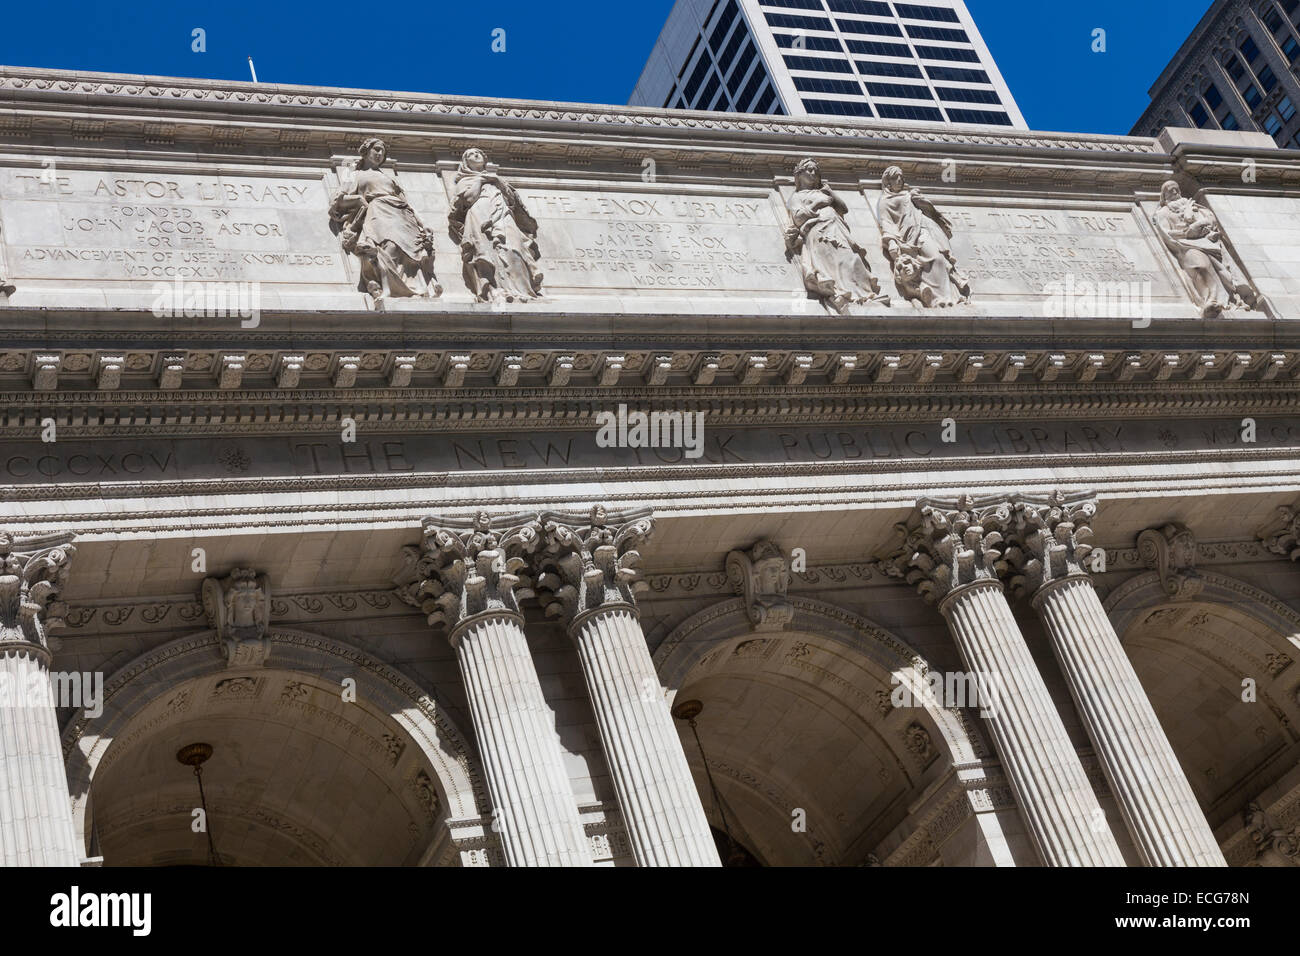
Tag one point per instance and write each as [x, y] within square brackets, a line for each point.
[497, 236]
[1191, 233]
[763, 577]
[374, 221]
[238, 607]
[915, 236]
[835, 267]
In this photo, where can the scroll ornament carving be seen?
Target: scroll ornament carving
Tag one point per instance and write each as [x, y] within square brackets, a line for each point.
[1050, 540]
[465, 570]
[956, 545]
[32, 572]
[1191, 233]
[238, 608]
[496, 234]
[834, 266]
[762, 576]
[585, 568]
[1271, 845]
[1170, 551]
[374, 222]
[1285, 541]
[916, 239]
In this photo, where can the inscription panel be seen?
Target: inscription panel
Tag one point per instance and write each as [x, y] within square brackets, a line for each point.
[23, 463]
[651, 242]
[157, 227]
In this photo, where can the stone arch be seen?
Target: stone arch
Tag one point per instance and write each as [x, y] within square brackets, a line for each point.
[1192, 655]
[151, 690]
[822, 682]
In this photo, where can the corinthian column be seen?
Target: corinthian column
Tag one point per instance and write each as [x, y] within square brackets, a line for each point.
[35, 808]
[951, 558]
[1047, 557]
[464, 578]
[590, 569]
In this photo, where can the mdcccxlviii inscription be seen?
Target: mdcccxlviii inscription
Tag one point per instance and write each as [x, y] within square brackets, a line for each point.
[644, 241]
[89, 225]
[105, 462]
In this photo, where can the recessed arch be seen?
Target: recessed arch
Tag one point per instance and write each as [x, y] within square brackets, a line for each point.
[800, 719]
[396, 731]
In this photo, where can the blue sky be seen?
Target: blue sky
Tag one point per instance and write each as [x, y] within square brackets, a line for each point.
[577, 50]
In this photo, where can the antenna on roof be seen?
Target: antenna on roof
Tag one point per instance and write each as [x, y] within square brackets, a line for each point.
[252, 69]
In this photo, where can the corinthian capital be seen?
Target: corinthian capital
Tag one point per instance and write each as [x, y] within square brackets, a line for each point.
[463, 568]
[1049, 540]
[956, 545]
[589, 562]
[32, 572]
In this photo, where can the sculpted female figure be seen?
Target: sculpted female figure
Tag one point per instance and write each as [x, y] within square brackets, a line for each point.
[497, 236]
[915, 237]
[834, 266]
[374, 221]
[1191, 233]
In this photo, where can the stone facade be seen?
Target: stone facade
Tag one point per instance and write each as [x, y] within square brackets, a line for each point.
[553, 486]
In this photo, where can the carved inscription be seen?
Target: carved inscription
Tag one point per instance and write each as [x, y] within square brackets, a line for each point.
[1021, 252]
[80, 224]
[200, 458]
[654, 242]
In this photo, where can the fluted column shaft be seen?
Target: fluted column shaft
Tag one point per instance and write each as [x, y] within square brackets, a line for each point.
[529, 787]
[36, 826]
[661, 807]
[1158, 804]
[1055, 797]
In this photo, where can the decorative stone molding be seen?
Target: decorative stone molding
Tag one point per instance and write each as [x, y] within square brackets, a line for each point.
[1049, 540]
[589, 564]
[238, 608]
[762, 576]
[956, 545]
[32, 572]
[1270, 844]
[1170, 551]
[464, 569]
[1286, 539]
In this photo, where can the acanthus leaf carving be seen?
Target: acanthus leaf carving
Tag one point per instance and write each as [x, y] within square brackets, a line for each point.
[32, 573]
[592, 564]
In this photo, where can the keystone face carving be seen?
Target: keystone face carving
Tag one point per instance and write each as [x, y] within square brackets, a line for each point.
[496, 234]
[374, 222]
[1191, 233]
[592, 564]
[1286, 539]
[1050, 540]
[763, 577]
[1170, 551]
[1272, 845]
[464, 568]
[835, 267]
[915, 236]
[238, 607]
[32, 572]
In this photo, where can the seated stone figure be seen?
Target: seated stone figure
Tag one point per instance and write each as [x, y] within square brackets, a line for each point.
[1191, 233]
[915, 236]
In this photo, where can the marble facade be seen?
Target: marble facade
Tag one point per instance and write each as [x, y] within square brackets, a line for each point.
[301, 456]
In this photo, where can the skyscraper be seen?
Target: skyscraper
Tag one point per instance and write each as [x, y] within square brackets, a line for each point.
[897, 61]
[1236, 71]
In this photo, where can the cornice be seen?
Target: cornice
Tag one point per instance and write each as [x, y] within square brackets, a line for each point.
[69, 90]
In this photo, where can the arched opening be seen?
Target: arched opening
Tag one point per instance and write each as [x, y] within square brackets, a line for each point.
[321, 757]
[801, 757]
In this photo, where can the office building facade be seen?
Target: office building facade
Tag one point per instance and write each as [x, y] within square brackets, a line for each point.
[1239, 70]
[902, 62]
